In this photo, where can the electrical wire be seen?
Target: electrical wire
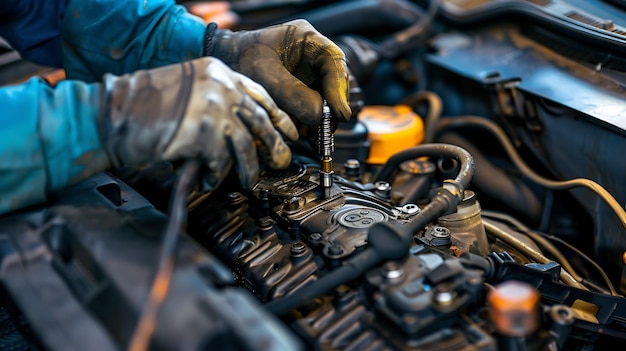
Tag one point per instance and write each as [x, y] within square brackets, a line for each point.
[403, 40]
[536, 256]
[520, 226]
[159, 287]
[560, 258]
[466, 161]
[462, 121]
[435, 108]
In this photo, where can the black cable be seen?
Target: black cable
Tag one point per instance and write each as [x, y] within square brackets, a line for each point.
[362, 15]
[435, 108]
[495, 182]
[466, 161]
[605, 195]
[523, 228]
[146, 323]
[403, 40]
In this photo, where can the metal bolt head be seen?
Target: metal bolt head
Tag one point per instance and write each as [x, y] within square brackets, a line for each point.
[440, 232]
[352, 163]
[410, 209]
[382, 186]
[265, 223]
[352, 168]
[298, 248]
[392, 270]
[315, 237]
[292, 204]
[444, 294]
[335, 250]
[235, 198]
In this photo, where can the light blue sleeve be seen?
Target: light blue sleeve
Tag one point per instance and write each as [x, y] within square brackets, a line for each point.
[48, 140]
[122, 36]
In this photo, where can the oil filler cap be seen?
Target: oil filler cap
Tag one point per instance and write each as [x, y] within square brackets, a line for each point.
[391, 129]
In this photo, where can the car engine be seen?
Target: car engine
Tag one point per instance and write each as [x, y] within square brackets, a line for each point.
[475, 201]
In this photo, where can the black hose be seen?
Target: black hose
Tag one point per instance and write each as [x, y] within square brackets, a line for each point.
[605, 195]
[466, 161]
[404, 40]
[494, 182]
[435, 108]
[362, 15]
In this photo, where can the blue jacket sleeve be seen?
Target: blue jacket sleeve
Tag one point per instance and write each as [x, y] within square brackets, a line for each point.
[49, 139]
[33, 27]
[111, 36]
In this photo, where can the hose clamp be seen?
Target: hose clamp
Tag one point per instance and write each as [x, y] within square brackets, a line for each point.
[454, 188]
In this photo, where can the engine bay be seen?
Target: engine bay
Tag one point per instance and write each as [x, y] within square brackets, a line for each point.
[475, 201]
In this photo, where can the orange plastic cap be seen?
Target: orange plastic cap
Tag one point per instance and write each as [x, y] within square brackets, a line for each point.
[391, 129]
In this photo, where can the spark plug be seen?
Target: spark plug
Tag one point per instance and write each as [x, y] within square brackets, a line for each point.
[326, 144]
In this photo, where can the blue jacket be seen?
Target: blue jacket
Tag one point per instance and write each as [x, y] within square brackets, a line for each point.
[48, 137]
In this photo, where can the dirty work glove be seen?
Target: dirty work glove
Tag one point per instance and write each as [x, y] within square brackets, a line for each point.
[199, 108]
[287, 60]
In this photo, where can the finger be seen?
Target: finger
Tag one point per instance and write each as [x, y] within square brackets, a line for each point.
[271, 146]
[333, 72]
[241, 147]
[263, 65]
[219, 165]
[279, 118]
[328, 62]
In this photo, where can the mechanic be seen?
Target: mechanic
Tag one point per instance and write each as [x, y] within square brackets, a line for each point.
[173, 88]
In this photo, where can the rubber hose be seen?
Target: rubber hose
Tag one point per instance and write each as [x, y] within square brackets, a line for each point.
[605, 195]
[436, 150]
[496, 183]
[363, 15]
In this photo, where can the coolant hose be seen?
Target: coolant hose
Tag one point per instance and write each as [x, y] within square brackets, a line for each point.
[363, 15]
[494, 182]
[464, 158]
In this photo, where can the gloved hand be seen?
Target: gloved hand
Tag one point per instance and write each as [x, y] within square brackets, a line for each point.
[199, 108]
[287, 60]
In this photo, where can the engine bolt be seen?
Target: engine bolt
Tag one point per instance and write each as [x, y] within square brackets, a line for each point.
[315, 237]
[382, 186]
[440, 232]
[382, 189]
[410, 209]
[235, 198]
[265, 223]
[392, 270]
[335, 250]
[352, 168]
[298, 248]
[444, 294]
[292, 204]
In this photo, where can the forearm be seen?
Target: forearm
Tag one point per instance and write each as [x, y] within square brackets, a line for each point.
[49, 140]
[105, 36]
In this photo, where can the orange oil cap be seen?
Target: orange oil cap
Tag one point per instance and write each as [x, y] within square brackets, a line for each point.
[391, 129]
